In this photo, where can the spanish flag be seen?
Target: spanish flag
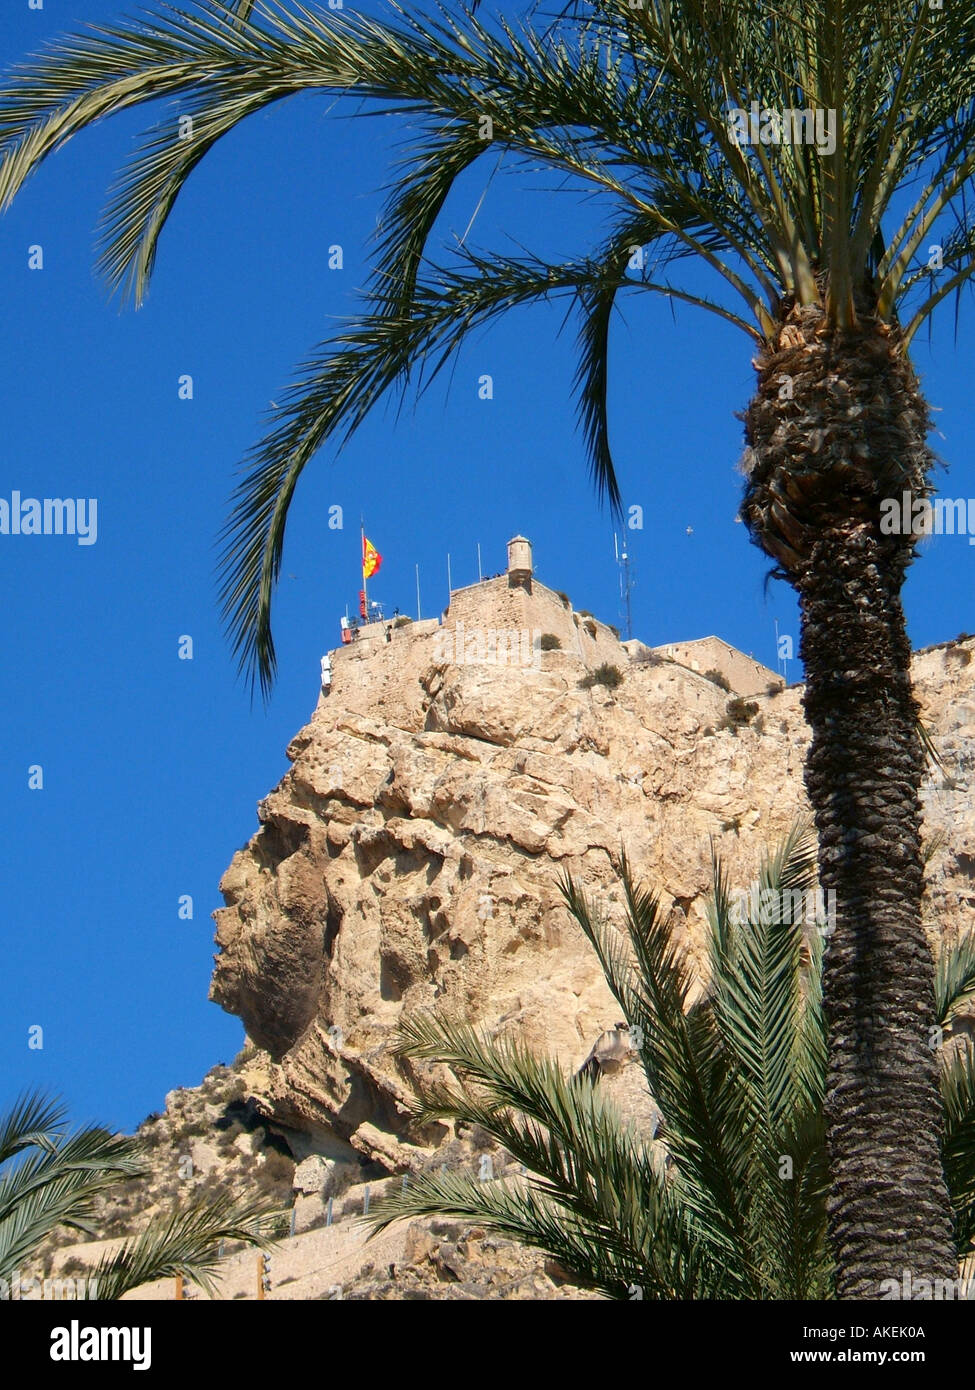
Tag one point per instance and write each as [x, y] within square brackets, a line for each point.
[371, 559]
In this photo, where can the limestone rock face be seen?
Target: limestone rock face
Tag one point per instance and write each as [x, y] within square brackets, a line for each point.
[410, 859]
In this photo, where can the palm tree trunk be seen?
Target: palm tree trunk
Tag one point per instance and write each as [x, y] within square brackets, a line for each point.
[850, 429]
[889, 1209]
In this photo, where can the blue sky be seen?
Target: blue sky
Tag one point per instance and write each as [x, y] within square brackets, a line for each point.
[152, 766]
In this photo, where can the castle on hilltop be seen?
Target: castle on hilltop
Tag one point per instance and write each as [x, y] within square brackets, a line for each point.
[517, 603]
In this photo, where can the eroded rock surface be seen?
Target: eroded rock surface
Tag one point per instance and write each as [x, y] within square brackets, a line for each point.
[410, 859]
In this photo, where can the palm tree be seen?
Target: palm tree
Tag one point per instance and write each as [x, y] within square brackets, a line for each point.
[54, 1178]
[738, 1069]
[812, 220]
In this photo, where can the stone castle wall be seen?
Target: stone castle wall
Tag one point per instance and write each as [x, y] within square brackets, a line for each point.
[744, 674]
[495, 604]
[468, 632]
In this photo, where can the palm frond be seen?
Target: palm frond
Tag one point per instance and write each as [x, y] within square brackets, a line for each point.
[337, 388]
[569, 1135]
[766, 1006]
[519, 1210]
[33, 1120]
[186, 1241]
[757, 984]
[706, 1127]
[631, 103]
[790, 1185]
[589, 1171]
[958, 1145]
[55, 1181]
[929, 746]
[738, 1071]
[954, 979]
[242, 8]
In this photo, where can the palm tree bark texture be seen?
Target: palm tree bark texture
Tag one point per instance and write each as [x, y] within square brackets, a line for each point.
[837, 419]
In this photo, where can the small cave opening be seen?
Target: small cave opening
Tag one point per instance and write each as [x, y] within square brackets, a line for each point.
[966, 863]
[333, 923]
[279, 840]
[390, 973]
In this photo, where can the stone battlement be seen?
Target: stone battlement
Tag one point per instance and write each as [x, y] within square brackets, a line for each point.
[515, 602]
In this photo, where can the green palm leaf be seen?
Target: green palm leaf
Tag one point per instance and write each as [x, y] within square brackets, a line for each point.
[32, 1121]
[186, 1242]
[954, 980]
[54, 1179]
[758, 992]
[589, 1172]
[958, 1151]
[737, 1070]
[521, 1211]
[705, 1125]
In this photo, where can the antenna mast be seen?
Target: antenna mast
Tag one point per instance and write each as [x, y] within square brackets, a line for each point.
[779, 656]
[626, 585]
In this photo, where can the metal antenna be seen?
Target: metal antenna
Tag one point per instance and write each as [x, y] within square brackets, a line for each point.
[626, 585]
[784, 660]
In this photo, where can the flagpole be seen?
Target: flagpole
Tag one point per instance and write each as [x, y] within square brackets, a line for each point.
[418, 593]
[362, 566]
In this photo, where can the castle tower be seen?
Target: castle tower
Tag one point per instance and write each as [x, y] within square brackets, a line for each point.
[520, 563]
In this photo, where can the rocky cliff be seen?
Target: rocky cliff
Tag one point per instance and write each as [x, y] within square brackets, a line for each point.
[410, 859]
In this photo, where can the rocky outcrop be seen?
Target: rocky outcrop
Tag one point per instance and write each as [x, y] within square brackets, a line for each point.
[210, 1140]
[411, 857]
